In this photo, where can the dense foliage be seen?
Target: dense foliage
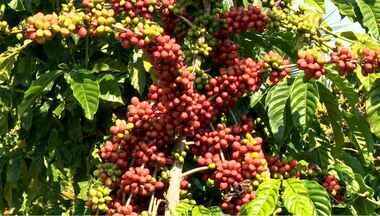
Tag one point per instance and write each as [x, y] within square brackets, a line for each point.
[176, 107]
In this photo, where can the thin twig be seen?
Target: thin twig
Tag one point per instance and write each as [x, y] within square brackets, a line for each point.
[152, 197]
[212, 127]
[336, 35]
[129, 200]
[156, 206]
[187, 21]
[222, 155]
[193, 171]
[234, 117]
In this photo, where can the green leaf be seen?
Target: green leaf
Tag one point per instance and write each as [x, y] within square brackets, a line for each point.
[347, 88]
[3, 123]
[313, 6]
[184, 209]
[138, 79]
[110, 90]
[200, 210]
[275, 104]
[303, 102]
[361, 136]
[357, 191]
[227, 4]
[365, 206]
[296, 198]
[36, 89]
[375, 6]
[17, 5]
[369, 19]
[320, 3]
[368, 81]
[83, 189]
[108, 65]
[353, 162]
[58, 111]
[338, 25]
[267, 196]
[347, 175]
[345, 7]
[215, 211]
[335, 116]
[255, 98]
[373, 110]
[319, 196]
[9, 58]
[87, 92]
[137, 72]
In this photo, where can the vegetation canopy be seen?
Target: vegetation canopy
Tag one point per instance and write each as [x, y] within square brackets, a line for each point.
[188, 108]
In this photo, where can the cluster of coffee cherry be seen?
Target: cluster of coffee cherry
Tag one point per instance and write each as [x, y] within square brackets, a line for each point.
[198, 42]
[344, 60]
[241, 19]
[98, 198]
[39, 27]
[226, 53]
[234, 82]
[108, 173]
[370, 61]
[112, 151]
[143, 8]
[101, 20]
[277, 66]
[138, 181]
[71, 20]
[281, 168]
[232, 205]
[312, 63]
[254, 163]
[331, 183]
[117, 208]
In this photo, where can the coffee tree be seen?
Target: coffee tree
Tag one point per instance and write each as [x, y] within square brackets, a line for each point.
[174, 107]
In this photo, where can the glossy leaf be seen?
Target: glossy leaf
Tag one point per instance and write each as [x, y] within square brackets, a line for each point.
[110, 90]
[373, 110]
[335, 116]
[17, 5]
[303, 102]
[345, 7]
[9, 58]
[311, 193]
[369, 19]
[296, 198]
[275, 104]
[361, 136]
[86, 91]
[36, 89]
[184, 209]
[200, 210]
[346, 174]
[137, 72]
[346, 87]
[375, 6]
[319, 196]
[267, 196]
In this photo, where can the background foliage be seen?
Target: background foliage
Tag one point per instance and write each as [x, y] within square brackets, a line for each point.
[57, 101]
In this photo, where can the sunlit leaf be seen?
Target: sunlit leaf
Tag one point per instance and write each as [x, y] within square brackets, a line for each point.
[267, 196]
